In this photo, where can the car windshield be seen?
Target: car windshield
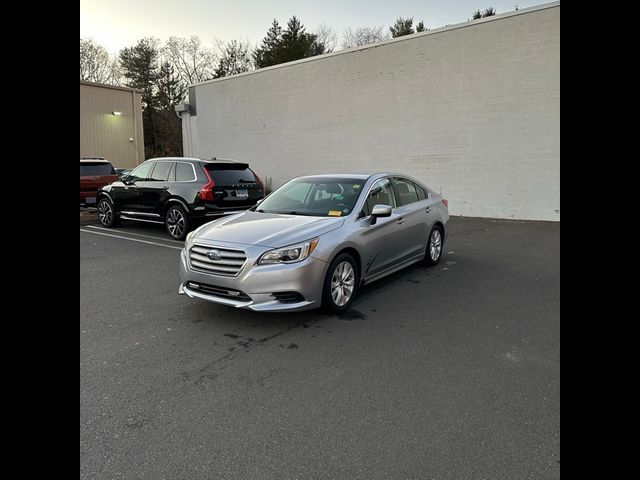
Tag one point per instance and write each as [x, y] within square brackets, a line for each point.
[319, 197]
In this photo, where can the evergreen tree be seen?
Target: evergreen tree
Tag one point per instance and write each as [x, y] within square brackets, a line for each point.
[140, 69]
[403, 26]
[293, 43]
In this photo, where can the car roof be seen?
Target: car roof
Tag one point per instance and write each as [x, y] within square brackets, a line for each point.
[359, 175]
[355, 176]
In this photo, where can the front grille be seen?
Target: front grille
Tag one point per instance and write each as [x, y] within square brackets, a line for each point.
[219, 291]
[288, 297]
[229, 263]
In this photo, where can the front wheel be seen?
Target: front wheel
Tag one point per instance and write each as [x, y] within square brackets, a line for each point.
[177, 222]
[340, 284]
[107, 213]
[434, 246]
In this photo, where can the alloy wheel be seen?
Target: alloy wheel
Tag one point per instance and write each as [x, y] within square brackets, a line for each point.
[435, 245]
[175, 223]
[105, 212]
[342, 283]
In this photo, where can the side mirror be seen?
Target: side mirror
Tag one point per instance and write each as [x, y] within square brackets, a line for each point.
[259, 202]
[380, 211]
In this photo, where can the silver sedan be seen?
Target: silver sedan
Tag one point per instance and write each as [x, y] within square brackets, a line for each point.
[314, 241]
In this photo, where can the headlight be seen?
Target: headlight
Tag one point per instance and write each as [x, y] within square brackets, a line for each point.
[290, 254]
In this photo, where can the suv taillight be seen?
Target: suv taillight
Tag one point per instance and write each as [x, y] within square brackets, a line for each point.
[259, 182]
[206, 192]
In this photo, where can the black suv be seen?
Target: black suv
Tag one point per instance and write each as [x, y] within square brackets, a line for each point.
[179, 192]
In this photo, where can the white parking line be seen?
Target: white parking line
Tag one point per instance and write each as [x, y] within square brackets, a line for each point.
[137, 234]
[130, 239]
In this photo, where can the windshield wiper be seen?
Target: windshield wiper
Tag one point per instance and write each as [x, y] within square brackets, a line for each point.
[304, 214]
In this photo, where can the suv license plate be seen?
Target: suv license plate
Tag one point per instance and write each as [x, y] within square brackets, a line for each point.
[242, 193]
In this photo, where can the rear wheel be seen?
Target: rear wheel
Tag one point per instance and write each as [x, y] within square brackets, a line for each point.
[340, 284]
[177, 222]
[434, 246]
[107, 213]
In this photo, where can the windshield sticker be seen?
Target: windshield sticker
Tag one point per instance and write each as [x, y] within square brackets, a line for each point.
[356, 186]
[335, 213]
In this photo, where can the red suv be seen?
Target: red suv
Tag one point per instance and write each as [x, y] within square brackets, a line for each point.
[94, 173]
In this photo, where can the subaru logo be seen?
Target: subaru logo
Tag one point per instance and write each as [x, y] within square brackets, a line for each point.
[214, 255]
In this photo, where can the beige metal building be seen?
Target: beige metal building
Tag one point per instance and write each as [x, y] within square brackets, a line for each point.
[111, 124]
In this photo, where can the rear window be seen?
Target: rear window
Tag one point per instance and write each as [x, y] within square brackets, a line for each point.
[230, 176]
[96, 169]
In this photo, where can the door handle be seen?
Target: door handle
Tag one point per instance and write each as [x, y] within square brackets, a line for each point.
[400, 221]
[428, 209]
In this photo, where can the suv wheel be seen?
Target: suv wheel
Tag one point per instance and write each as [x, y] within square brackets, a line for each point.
[107, 213]
[177, 222]
[340, 284]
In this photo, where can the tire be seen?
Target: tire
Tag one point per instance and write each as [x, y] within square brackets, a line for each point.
[342, 269]
[107, 213]
[177, 222]
[434, 246]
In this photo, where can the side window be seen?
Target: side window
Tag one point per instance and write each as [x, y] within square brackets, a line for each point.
[406, 189]
[422, 193]
[184, 172]
[141, 172]
[381, 194]
[161, 171]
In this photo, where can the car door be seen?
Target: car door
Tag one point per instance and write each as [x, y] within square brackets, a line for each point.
[412, 239]
[379, 241]
[155, 190]
[126, 194]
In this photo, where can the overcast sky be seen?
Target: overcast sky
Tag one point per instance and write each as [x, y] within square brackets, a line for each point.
[121, 23]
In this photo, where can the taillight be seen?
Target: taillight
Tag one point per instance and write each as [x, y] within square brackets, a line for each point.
[445, 202]
[206, 192]
[259, 182]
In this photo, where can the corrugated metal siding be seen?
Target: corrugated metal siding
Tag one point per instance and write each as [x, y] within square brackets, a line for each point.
[103, 134]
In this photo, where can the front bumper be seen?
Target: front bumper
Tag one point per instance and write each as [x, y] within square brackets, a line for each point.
[258, 282]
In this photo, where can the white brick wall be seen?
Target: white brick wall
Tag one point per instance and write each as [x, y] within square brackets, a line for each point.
[473, 111]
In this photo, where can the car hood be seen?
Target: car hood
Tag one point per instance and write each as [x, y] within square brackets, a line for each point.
[267, 229]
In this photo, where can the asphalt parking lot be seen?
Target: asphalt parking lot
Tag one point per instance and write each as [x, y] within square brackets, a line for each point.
[447, 372]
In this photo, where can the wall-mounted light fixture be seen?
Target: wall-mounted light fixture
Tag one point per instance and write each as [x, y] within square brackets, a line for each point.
[117, 114]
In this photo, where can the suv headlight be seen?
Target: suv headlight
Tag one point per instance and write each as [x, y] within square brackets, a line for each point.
[290, 254]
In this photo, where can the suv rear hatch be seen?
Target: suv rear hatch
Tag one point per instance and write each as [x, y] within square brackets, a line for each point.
[234, 185]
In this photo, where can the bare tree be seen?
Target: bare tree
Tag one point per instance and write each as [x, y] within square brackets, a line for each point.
[96, 65]
[193, 61]
[363, 36]
[235, 58]
[327, 36]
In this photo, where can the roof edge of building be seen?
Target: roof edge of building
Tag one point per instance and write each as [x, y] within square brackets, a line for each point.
[112, 87]
[493, 18]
